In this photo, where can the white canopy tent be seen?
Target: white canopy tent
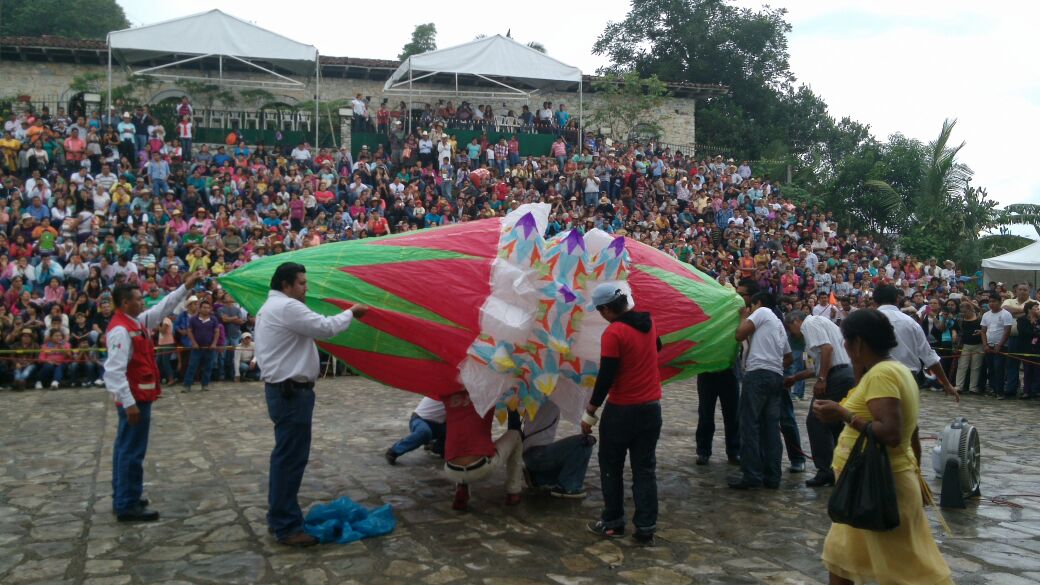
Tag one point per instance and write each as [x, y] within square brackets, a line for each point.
[1022, 265]
[498, 60]
[215, 34]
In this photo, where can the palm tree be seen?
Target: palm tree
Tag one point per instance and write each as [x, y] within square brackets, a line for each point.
[945, 178]
[1019, 214]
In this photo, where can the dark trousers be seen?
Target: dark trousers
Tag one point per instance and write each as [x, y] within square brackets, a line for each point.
[789, 430]
[226, 363]
[1011, 365]
[561, 464]
[631, 430]
[200, 361]
[182, 360]
[128, 459]
[994, 371]
[722, 387]
[166, 353]
[824, 436]
[760, 449]
[51, 373]
[1031, 380]
[291, 414]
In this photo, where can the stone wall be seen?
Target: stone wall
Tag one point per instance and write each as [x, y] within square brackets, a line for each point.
[48, 83]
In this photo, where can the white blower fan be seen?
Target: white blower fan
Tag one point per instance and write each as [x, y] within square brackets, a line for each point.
[957, 460]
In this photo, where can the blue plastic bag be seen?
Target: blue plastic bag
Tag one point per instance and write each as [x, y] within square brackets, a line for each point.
[343, 521]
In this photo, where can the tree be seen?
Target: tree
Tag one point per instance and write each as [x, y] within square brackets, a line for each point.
[1021, 214]
[424, 38]
[627, 103]
[537, 46]
[79, 19]
[714, 42]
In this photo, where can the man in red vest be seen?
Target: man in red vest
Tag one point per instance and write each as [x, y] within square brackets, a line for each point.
[132, 376]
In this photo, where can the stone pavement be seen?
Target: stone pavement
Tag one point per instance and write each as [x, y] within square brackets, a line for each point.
[207, 471]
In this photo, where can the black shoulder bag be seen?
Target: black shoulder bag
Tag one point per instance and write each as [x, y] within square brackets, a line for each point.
[865, 494]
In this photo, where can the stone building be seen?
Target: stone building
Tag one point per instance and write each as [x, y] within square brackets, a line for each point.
[42, 71]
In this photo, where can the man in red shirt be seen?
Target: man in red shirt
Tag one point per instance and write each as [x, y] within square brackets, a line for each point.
[470, 455]
[631, 384]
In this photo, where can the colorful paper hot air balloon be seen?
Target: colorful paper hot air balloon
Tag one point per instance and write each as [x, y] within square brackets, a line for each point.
[493, 307]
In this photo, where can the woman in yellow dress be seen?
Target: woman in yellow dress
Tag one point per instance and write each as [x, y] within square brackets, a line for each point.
[886, 398]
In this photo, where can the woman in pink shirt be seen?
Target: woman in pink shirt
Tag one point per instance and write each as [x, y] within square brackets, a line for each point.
[54, 293]
[202, 220]
[789, 282]
[297, 211]
[53, 356]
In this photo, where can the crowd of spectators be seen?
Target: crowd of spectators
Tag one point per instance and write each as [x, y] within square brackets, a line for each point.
[88, 202]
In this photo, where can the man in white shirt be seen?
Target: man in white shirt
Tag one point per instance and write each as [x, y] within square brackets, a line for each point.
[425, 428]
[301, 154]
[557, 465]
[996, 330]
[913, 349]
[834, 379]
[288, 360]
[360, 109]
[768, 355]
[132, 377]
[35, 185]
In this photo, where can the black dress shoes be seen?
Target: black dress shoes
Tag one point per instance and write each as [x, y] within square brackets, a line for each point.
[822, 478]
[743, 484]
[702, 459]
[139, 513]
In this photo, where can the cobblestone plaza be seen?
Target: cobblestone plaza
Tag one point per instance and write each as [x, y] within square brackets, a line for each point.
[206, 472]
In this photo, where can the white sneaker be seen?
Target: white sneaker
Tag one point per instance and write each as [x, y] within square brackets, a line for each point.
[39, 386]
[99, 382]
[55, 385]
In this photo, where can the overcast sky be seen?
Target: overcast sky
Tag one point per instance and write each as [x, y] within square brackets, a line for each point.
[898, 65]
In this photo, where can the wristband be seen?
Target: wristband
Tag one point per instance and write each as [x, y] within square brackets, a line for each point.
[589, 418]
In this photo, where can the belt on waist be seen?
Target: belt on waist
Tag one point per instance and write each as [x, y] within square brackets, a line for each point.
[294, 385]
[475, 465]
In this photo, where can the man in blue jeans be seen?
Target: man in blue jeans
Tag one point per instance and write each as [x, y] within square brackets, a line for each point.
[288, 360]
[204, 335]
[425, 427]
[768, 354]
[746, 288]
[557, 465]
[132, 377]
